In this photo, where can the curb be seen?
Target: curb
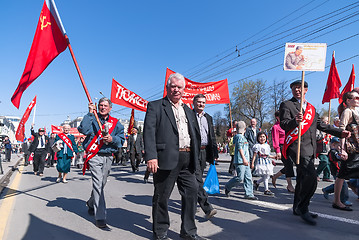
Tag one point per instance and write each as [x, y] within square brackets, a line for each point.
[7, 173]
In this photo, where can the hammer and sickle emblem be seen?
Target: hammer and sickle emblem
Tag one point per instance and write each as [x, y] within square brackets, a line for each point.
[43, 24]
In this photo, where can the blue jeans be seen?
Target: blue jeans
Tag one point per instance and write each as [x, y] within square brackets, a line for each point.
[355, 183]
[243, 174]
[344, 194]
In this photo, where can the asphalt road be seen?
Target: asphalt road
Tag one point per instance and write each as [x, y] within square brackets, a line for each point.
[33, 207]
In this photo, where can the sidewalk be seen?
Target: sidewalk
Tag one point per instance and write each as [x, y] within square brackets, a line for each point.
[8, 167]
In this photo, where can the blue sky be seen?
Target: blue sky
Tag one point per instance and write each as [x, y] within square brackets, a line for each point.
[134, 42]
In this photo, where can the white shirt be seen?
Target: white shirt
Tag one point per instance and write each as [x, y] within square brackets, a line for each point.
[182, 125]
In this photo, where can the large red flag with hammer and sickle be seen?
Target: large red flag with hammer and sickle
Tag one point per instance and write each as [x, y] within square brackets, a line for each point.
[48, 43]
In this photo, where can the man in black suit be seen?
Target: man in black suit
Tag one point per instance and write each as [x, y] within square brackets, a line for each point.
[135, 149]
[290, 116]
[208, 152]
[172, 148]
[41, 148]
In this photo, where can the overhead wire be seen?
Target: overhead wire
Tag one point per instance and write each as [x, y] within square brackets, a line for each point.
[296, 10]
[280, 46]
[331, 13]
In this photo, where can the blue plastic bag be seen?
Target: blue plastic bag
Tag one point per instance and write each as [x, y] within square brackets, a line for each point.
[211, 184]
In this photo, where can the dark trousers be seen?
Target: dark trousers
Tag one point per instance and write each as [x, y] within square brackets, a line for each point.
[135, 160]
[39, 160]
[8, 154]
[231, 168]
[164, 181]
[202, 196]
[26, 158]
[147, 174]
[1, 170]
[117, 156]
[306, 183]
[288, 165]
[50, 160]
[323, 166]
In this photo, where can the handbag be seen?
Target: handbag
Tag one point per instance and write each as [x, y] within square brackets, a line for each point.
[57, 146]
[211, 184]
[353, 162]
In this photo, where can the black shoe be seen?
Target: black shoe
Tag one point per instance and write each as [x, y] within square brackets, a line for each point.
[145, 180]
[313, 215]
[90, 210]
[226, 192]
[308, 218]
[191, 237]
[255, 185]
[101, 224]
[162, 237]
[346, 208]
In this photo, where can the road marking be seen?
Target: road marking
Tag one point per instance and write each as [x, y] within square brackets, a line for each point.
[8, 202]
[284, 208]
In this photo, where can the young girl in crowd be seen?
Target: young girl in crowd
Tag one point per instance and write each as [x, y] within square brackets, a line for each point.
[264, 166]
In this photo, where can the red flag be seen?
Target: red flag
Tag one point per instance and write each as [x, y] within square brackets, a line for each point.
[333, 83]
[124, 97]
[215, 92]
[132, 122]
[49, 41]
[349, 86]
[20, 131]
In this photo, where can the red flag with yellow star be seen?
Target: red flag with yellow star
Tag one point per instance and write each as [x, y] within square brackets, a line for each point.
[48, 43]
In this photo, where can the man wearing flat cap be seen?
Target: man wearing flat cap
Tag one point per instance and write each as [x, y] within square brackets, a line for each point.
[295, 60]
[41, 148]
[290, 116]
[135, 148]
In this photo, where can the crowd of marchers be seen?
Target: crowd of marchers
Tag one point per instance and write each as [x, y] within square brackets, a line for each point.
[178, 143]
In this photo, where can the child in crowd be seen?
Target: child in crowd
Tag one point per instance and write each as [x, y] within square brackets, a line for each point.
[334, 159]
[264, 166]
[241, 163]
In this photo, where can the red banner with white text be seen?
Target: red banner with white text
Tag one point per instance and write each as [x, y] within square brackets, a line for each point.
[20, 132]
[124, 97]
[215, 92]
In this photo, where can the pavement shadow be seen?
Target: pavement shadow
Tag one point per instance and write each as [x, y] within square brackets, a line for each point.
[145, 200]
[129, 177]
[124, 219]
[74, 205]
[39, 229]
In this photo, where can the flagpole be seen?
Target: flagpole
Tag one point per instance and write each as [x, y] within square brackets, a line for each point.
[300, 123]
[330, 100]
[330, 107]
[33, 117]
[82, 81]
[230, 113]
